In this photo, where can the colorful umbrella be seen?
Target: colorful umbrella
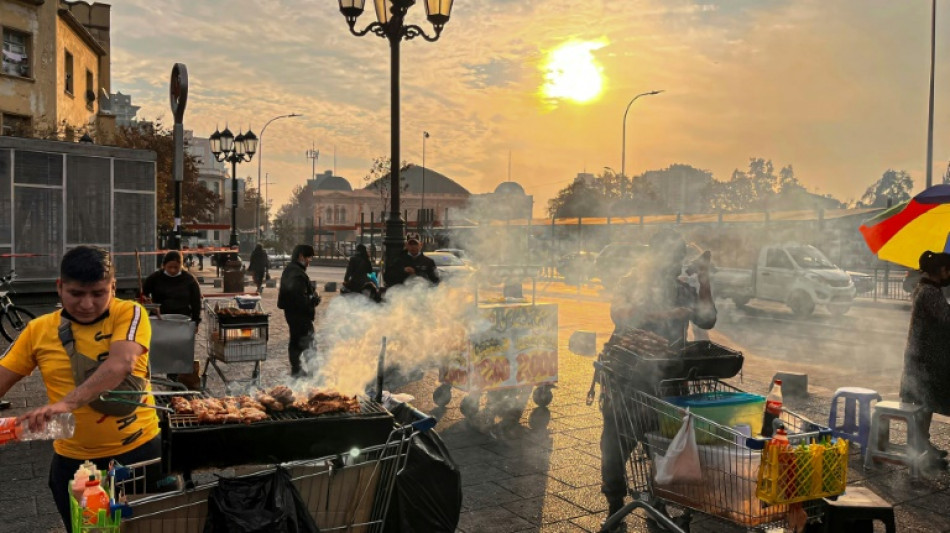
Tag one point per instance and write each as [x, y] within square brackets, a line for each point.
[903, 232]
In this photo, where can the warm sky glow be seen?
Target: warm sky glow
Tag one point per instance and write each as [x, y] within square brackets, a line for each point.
[571, 72]
[837, 89]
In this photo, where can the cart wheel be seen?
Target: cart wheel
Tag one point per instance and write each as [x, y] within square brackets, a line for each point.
[469, 405]
[442, 395]
[543, 394]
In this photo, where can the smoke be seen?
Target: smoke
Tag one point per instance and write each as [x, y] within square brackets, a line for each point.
[423, 325]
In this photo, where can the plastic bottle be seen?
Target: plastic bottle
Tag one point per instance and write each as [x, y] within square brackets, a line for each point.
[94, 499]
[773, 408]
[61, 426]
[79, 482]
[781, 437]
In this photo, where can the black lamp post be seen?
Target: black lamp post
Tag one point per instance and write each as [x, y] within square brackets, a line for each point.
[391, 25]
[226, 147]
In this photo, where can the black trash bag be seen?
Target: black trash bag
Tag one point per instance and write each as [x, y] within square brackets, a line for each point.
[428, 493]
[265, 503]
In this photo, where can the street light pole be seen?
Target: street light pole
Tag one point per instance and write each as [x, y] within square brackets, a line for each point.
[226, 147]
[260, 160]
[930, 121]
[623, 149]
[391, 25]
[425, 135]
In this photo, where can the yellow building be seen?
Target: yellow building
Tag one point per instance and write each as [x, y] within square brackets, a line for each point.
[55, 68]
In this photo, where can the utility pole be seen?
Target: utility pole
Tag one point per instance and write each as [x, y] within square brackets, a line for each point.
[313, 154]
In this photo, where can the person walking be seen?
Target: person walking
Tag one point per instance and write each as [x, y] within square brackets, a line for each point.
[258, 267]
[926, 365]
[298, 299]
[95, 343]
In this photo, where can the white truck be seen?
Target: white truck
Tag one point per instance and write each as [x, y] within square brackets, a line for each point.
[798, 275]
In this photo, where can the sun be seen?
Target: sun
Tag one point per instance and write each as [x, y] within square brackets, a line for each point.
[571, 72]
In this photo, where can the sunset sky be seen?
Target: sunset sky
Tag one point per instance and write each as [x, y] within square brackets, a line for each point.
[837, 89]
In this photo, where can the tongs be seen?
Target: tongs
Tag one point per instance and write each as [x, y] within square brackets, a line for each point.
[116, 396]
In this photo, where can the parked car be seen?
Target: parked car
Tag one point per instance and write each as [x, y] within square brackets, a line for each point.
[576, 267]
[863, 283]
[461, 254]
[450, 267]
[277, 260]
[615, 260]
[798, 275]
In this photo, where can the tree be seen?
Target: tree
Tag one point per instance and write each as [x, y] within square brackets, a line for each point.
[579, 199]
[293, 223]
[378, 179]
[894, 185]
[197, 202]
[245, 212]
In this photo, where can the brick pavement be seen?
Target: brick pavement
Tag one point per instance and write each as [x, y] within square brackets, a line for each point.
[540, 475]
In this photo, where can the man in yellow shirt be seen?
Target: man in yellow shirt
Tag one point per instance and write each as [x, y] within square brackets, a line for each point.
[108, 340]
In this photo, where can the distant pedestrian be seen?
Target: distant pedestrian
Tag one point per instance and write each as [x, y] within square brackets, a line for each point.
[297, 297]
[258, 267]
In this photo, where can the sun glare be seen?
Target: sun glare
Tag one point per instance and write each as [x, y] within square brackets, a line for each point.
[572, 73]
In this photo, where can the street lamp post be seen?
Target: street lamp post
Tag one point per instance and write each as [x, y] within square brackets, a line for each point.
[623, 148]
[391, 25]
[260, 159]
[425, 135]
[227, 148]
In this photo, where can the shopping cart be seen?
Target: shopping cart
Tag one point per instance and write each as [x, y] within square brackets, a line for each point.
[345, 492]
[240, 338]
[646, 425]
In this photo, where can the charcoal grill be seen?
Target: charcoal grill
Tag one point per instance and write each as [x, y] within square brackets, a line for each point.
[283, 436]
[698, 359]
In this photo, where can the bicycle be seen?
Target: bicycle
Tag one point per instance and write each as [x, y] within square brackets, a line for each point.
[13, 318]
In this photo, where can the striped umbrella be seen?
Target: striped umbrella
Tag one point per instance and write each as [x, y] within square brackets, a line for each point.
[903, 232]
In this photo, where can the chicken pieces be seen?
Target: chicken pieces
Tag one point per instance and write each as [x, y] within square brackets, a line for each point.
[227, 410]
[245, 409]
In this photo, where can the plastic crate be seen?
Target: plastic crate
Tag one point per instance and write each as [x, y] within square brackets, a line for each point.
[726, 408]
[239, 350]
[797, 473]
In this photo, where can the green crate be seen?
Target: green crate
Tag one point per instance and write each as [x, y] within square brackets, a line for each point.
[105, 523]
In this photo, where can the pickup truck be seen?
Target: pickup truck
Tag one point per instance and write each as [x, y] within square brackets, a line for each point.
[798, 275]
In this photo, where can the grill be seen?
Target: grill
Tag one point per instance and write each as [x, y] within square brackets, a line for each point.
[283, 436]
[697, 359]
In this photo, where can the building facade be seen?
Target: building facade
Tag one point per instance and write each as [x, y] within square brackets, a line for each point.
[55, 67]
[123, 109]
[341, 213]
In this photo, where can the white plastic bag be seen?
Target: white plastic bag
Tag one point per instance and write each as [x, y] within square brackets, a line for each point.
[681, 462]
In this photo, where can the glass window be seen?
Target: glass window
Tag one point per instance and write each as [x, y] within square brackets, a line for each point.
[446, 260]
[810, 257]
[5, 207]
[68, 63]
[90, 90]
[38, 229]
[88, 206]
[16, 53]
[15, 125]
[776, 258]
[38, 168]
[134, 175]
[135, 214]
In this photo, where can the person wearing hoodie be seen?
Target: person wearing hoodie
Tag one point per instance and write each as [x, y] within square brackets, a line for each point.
[258, 267]
[298, 299]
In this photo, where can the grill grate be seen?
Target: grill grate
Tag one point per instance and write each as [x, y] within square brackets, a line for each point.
[182, 421]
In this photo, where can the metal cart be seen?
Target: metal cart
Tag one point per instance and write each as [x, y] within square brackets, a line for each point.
[345, 492]
[235, 339]
[518, 352]
[730, 460]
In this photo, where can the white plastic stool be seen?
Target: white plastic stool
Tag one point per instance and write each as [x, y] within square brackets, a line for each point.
[880, 447]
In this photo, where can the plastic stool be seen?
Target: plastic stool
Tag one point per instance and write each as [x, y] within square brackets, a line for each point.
[856, 510]
[856, 423]
[880, 447]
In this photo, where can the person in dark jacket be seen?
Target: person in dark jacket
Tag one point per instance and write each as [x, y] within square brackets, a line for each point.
[175, 290]
[657, 305]
[926, 362]
[358, 270]
[411, 262]
[298, 299]
[258, 267]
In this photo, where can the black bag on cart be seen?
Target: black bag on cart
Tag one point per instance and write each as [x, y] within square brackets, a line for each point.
[265, 503]
[428, 492]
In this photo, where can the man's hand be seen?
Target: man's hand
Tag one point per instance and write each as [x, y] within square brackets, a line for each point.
[411, 271]
[36, 419]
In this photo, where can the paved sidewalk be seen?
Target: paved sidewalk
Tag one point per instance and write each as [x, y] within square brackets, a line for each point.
[542, 475]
